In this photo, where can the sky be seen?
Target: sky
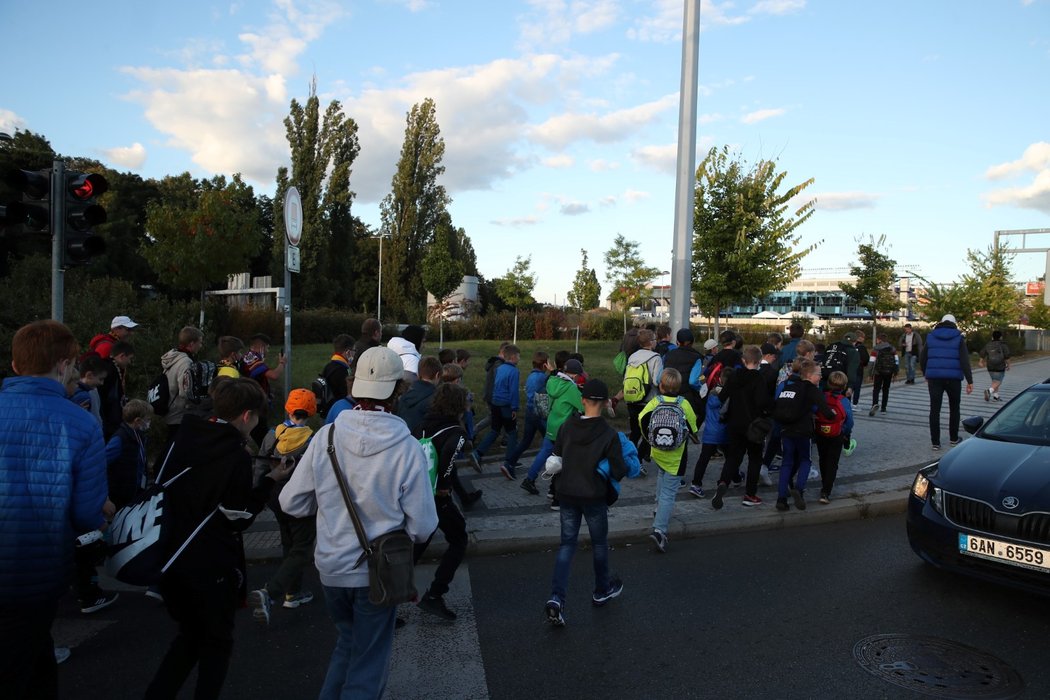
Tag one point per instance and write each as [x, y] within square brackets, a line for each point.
[924, 122]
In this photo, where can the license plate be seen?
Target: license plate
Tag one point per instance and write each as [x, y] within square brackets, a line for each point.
[1016, 554]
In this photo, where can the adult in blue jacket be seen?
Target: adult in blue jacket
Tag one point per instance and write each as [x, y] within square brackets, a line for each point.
[52, 489]
[945, 363]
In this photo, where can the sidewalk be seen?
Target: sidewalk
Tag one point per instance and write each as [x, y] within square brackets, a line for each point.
[873, 481]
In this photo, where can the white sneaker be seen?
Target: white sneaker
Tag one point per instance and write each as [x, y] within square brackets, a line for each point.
[763, 476]
[814, 473]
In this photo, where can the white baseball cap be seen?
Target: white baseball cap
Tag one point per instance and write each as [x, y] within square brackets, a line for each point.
[949, 318]
[378, 371]
[124, 321]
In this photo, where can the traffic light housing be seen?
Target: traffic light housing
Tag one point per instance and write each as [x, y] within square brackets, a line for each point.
[81, 211]
[33, 209]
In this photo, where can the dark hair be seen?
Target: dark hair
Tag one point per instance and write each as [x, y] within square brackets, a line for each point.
[561, 357]
[37, 347]
[262, 337]
[726, 337]
[342, 343]
[189, 334]
[539, 359]
[576, 356]
[415, 335]
[511, 350]
[229, 344]
[446, 355]
[450, 399]
[231, 397]
[774, 339]
[997, 335]
[630, 341]
[663, 331]
[92, 362]
[795, 330]
[462, 354]
[369, 327]
[122, 347]
[429, 367]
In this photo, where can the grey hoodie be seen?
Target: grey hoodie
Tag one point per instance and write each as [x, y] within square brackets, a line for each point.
[386, 472]
[176, 366]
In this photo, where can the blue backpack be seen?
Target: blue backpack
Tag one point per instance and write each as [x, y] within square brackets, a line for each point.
[634, 468]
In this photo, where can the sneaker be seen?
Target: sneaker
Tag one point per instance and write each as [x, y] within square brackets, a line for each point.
[750, 501]
[873, 410]
[554, 616]
[435, 605]
[824, 499]
[615, 589]
[642, 471]
[848, 450]
[799, 498]
[659, 540]
[954, 442]
[550, 495]
[763, 477]
[62, 654]
[294, 600]
[104, 600]
[996, 397]
[696, 491]
[260, 603]
[555, 506]
[720, 493]
[935, 447]
[155, 595]
[773, 467]
[681, 484]
[782, 504]
[508, 471]
[987, 394]
[814, 473]
[530, 486]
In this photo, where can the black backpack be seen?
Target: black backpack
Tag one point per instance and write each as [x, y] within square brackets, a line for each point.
[885, 362]
[323, 392]
[202, 374]
[790, 406]
[158, 395]
[836, 359]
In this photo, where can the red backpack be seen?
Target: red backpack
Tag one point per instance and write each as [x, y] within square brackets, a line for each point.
[832, 427]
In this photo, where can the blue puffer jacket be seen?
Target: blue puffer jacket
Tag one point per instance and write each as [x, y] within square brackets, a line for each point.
[946, 355]
[52, 486]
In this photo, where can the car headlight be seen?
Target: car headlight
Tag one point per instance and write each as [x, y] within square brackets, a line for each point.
[920, 488]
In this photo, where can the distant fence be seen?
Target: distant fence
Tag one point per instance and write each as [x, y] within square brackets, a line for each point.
[1036, 340]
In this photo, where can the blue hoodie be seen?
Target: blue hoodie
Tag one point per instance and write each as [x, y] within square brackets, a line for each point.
[505, 386]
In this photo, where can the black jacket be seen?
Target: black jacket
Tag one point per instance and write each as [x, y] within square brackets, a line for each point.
[448, 444]
[581, 444]
[335, 374]
[491, 365]
[359, 349]
[414, 403]
[810, 395]
[683, 358]
[221, 473]
[748, 399]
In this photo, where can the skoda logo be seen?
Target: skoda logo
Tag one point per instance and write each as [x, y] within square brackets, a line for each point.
[1011, 502]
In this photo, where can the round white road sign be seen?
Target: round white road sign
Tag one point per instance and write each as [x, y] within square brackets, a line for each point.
[293, 216]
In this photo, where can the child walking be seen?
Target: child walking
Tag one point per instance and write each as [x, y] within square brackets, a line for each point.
[715, 434]
[833, 439]
[794, 408]
[503, 408]
[667, 421]
[582, 443]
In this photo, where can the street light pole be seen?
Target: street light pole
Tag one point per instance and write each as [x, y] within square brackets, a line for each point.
[379, 295]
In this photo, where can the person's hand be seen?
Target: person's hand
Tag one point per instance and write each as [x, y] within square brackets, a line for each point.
[969, 388]
[109, 508]
[281, 470]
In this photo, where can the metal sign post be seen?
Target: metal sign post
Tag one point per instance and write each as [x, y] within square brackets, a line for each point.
[58, 240]
[293, 229]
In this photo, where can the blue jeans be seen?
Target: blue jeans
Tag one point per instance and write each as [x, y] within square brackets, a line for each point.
[909, 366]
[533, 424]
[597, 515]
[796, 463]
[360, 662]
[666, 491]
[546, 450]
[501, 419]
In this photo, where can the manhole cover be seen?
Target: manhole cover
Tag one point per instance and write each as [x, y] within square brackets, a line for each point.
[938, 667]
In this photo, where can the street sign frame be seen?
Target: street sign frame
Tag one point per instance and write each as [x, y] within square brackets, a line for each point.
[293, 217]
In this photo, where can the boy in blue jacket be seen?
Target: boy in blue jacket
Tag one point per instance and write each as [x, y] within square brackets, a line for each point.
[503, 408]
[715, 435]
[535, 383]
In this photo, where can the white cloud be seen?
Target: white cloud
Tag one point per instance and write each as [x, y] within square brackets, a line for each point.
[608, 200]
[11, 122]
[709, 119]
[410, 5]
[574, 208]
[662, 158]
[777, 7]
[559, 161]
[601, 165]
[556, 21]
[840, 201]
[1036, 194]
[131, 157]
[635, 195]
[560, 130]
[517, 222]
[665, 23]
[761, 115]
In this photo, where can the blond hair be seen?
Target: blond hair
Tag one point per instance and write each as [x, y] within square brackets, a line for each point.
[670, 381]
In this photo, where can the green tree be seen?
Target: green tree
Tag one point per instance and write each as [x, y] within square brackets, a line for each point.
[323, 150]
[996, 298]
[515, 287]
[442, 272]
[1039, 313]
[410, 213]
[935, 300]
[627, 274]
[195, 240]
[874, 272]
[745, 243]
[586, 293]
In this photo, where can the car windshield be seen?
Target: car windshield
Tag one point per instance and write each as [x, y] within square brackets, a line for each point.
[1025, 419]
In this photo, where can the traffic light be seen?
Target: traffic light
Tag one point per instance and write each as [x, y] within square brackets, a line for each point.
[81, 212]
[34, 209]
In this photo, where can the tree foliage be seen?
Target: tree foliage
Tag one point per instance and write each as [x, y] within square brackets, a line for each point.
[516, 285]
[627, 273]
[586, 293]
[323, 150]
[875, 273]
[745, 243]
[202, 232]
[442, 270]
[997, 301]
[412, 210]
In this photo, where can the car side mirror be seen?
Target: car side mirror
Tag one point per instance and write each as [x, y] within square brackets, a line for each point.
[972, 424]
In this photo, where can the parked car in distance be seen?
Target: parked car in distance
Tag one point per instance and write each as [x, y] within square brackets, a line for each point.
[983, 510]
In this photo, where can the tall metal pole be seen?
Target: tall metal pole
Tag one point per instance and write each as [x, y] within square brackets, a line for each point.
[287, 320]
[685, 174]
[58, 239]
[379, 291]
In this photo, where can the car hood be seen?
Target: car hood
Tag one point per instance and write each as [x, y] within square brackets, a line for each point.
[990, 470]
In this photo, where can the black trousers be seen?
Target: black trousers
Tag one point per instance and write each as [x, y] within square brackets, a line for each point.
[633, 409]
[938, 388]
[829, 451]
[27, 652]
[298, 536]
[707, 451]
[881, 384]
[737, 448]
[454, 527]
[204, 613]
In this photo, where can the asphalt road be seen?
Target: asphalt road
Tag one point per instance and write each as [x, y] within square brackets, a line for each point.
[760, 614]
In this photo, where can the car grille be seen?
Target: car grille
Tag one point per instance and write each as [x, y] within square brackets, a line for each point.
[978, 515]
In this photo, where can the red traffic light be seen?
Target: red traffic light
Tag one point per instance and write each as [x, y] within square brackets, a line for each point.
[83, 186]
